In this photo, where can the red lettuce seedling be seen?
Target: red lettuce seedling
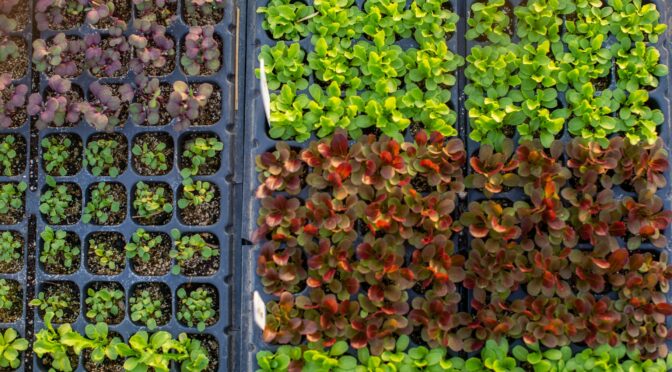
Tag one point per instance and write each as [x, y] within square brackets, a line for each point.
[379, 323]
[285, 323]
[550, 272]
[590, 162]
[330, 266]
[280, 170]
[332, 163]
[280, 217]
[379, 260]
[602, 321]
[441, 323]
[646, 219]
[438, 161]
[149, 102]
[281, 270]
[331, 218]
[52, 14]
[332, 316]
[591, 268]
[57, 108]
[153, 48]
[430, 217]
[15, 96]
[493, 170]
[595, 217]
[548, 321]
[491, 219]
[59, 55]
[643, 166]
[495, 267]
[106, 57]
[436, 265]
[108, 107]
[185, 103]
[202, 55]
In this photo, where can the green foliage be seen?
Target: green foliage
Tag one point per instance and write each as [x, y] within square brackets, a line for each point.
[592, 113]
[6, 291]
[540, 20]
[639, 121]
[103, 304]
[56, 250]
[10, 247]
[195, 308]
[199, 151]
[56, 154]
[188, 247]
[55, 201]
[155, 352]
[99, 155]
[151, 201]
[104, 253]
[638, 67]
[8, 155]
[54, 304]
[284, 64]
[636, 20]
[101, 204]
[11, 346]
[286, 19]
[586, 61]
[146, 308]
[49, 341]
[12, 196]
[287, 114]
[195, 193]
[154, 157]
[489, 20]
[141, 245]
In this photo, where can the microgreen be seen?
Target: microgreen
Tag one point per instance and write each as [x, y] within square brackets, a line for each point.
[188, 247]
[102, 203]
[99, 155]
[195, 193]
[141, 244]
[146, 308]
[186, 102]
[57, 250]
[55, 201]
[16, 100]
[196, 308]
[199, 152]
[202, 55]
[103, 304]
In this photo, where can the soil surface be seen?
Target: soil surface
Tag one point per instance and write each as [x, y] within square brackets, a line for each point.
[193, 16]
[212, 111]
[211, 165]
[120, 153]
[118, 192]
[106, 366]
[197, 265]
[160, 218]
[59, 267]
[13, 215]
[152, 140]
[159, 259]
[70, 21]
[201, 215]
[164, 17]
[157, 291]
[114, 240]
[16, 296]
[74, 211]
[74, 360]
[110, 286]
[14, 266]
[74, 164]
[18, 163]
[16, 66]
[20, 13]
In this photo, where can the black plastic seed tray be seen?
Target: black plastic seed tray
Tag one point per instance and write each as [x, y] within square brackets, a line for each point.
[258, 141]
[226, 179]
[21, 230]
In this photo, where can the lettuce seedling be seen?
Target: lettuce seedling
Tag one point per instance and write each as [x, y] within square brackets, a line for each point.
[430, 108]
[543, 121]
[638, 66]
[146, 308]
[153, 48]
[336, 19]
[286, 19]
[199, 152]
[103, 304]
[16, 101]
[107, 106]
[11, 346]
[382, 65]
[635, 20]
[195, 193]
[280, 270]
[639, 121]
[106, 57]
[539, 20]
[197, 308]
[9, 158]
[49, 341]
[190, 247]
[589, 161]
[202, 55]
[285, 358]
[57, 153]
[592, 113]
[144, 352]
[587, 61]
[151, 201]
[284, 64]
[154, 157]
[328, 111]
[592, 19]
[53, 306]
[384, 114]
[104, 254]
[102, 203]
[335, 62]
[9, 49]
[285, 323]
[11, 246]
[647, 219]
[388, 17]
[57, 250]
[489, 20]
[432, 66]
[160, 12]
[12, 196]
[58, 56]
[493, 170]
[55, 201]
[57, 108]
[149, 101]
[280, 170]
[99, 155]
[643, 165]
[287, 115]
[538, 69]
[186, 102]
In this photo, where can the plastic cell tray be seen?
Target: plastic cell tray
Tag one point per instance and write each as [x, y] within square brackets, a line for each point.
[226, 179]
[258, 141]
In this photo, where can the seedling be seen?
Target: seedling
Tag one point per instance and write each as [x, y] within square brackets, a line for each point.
[190, 247]
[489, 21]
[52, 14]
[102, 205]
[57, 108]
[196, 308]
[104, 111]
[199, 152]
[103, 304]
[16, 100]
[186, 103]
[286, 19]
[107, 57]
[284, 64]
[141, 245]
[146, 308]
[9, 155]
[104, 254]
[56, 201]
[58, 56]
[58, 251]
[148, 103]
[200, 9]
[195, 193]
[55, 305]
[100, 156]
[10, 247]
[202, 56]
[57, 155]
[11, 346]
[12, 196]
[151, 201]
[153, 157]
[638, 66]
[154, 50]
[6, 290]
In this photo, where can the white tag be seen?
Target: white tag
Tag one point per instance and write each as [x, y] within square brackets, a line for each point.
[259, 310]
[265, 95]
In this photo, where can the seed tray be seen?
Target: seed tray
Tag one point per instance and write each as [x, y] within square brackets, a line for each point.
[226, 180]
[258, 141]
[23, 227]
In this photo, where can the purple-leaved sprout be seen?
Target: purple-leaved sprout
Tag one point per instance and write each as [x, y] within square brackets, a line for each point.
[12, 100]
[148, 102]
[58, 56]
[156, 11]
[106, 108]
[57, 109]
[185, 102]
[54, 14]
[153, 48]
[106, 57]
[201, 51]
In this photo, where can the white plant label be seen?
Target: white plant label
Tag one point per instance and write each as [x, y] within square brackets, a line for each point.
[265, 95]
[259, 310]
